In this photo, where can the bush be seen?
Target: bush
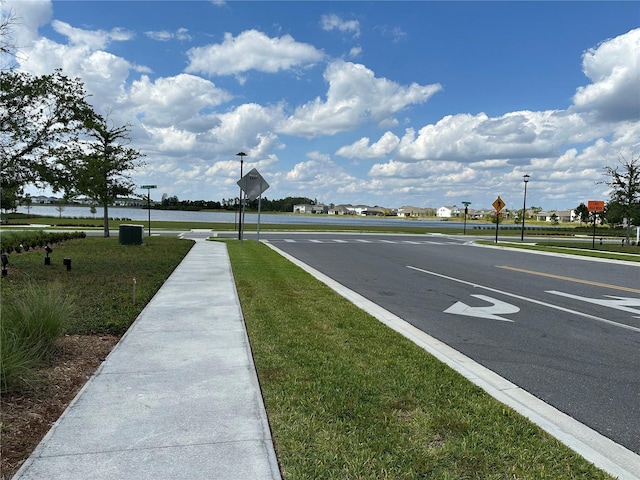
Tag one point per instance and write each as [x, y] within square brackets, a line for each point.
[17, 241]
[31, 322]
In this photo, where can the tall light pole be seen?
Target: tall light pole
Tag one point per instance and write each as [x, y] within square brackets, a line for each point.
[241, 155]
[524, 205]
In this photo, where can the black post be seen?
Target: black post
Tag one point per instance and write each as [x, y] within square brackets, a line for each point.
[464, 230]
[593, 245]
[466, 211]
[149, 208]
[497, 224]
[524, 205]
[241, 155]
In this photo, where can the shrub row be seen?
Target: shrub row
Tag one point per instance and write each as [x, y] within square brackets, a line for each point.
[17, 241]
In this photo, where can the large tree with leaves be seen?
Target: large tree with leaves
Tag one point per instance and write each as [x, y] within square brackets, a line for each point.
[99, 166]
[624, 179]
[39, 118]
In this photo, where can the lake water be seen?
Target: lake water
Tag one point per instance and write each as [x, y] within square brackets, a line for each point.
[139, 214]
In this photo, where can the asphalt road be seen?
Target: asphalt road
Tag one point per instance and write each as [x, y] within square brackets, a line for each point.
[566, 330]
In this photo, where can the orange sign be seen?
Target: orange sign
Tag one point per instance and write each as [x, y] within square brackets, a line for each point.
[498, 204]
[596, 206]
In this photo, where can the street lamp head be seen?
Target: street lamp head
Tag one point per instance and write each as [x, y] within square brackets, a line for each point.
[526, 178]
[241, 154]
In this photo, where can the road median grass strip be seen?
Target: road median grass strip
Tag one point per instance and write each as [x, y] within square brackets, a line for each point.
[348, 397]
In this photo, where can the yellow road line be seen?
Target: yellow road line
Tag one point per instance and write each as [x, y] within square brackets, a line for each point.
[570, 279]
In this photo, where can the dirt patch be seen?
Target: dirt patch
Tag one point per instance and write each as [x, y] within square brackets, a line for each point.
[26, 417]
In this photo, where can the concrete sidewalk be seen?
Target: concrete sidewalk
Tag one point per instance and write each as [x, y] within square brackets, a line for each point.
[178, 397]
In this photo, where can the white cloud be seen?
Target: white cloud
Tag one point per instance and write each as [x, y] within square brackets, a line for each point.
[181, 34]
[471, 138]
[318, 177]
[92, 39]
[248, 127]
[251, 50]
[174, 100]
[334, 22]
[160, 35]
[355, 97]
[614, 68]
[362, 149]
[172, 139]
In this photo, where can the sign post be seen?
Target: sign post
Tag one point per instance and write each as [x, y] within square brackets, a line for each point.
[466, 210]
[498, 204]
[149, 187]
[595, 207]
[253, 186]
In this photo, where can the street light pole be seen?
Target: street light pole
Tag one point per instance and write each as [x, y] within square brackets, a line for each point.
[241, 155]
[524, 205]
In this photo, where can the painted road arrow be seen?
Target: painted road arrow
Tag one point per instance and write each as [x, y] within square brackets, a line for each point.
[492, 312]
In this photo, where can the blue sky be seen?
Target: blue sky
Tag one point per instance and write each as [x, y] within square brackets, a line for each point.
[377, 103]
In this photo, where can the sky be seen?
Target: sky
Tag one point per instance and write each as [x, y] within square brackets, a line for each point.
[379, 103]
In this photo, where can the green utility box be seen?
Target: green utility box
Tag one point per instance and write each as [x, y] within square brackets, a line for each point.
[131, 234]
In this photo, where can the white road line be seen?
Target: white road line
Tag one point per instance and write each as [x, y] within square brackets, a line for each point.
[316, 241]
[363, 241]
[289, 240]
[531, 300]
[603, 452]
[340, 241]
[411, 243]
[387, 241]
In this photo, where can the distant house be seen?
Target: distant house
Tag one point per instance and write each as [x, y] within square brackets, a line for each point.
[129, 202]
[359, 209]
[308, 208]
[43, 200]
[564, 216]
[448, 212]
[339, 210]
[373, 211]
[409, 211]
[481, 213]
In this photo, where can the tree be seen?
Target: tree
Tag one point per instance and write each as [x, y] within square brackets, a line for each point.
[62, 204]
[7, 46]
[582, 212]
[615, 214]
[27, 201]
[624, 179]
[99, 165]
[8, 196]
[39, 118]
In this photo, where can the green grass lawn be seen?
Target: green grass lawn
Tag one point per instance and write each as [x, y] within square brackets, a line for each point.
[101, 277]
[348, 398]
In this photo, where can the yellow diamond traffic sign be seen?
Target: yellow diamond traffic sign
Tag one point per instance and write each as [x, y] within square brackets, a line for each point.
[498, 204]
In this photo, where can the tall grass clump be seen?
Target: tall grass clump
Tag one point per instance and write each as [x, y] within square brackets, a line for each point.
[31, 322]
